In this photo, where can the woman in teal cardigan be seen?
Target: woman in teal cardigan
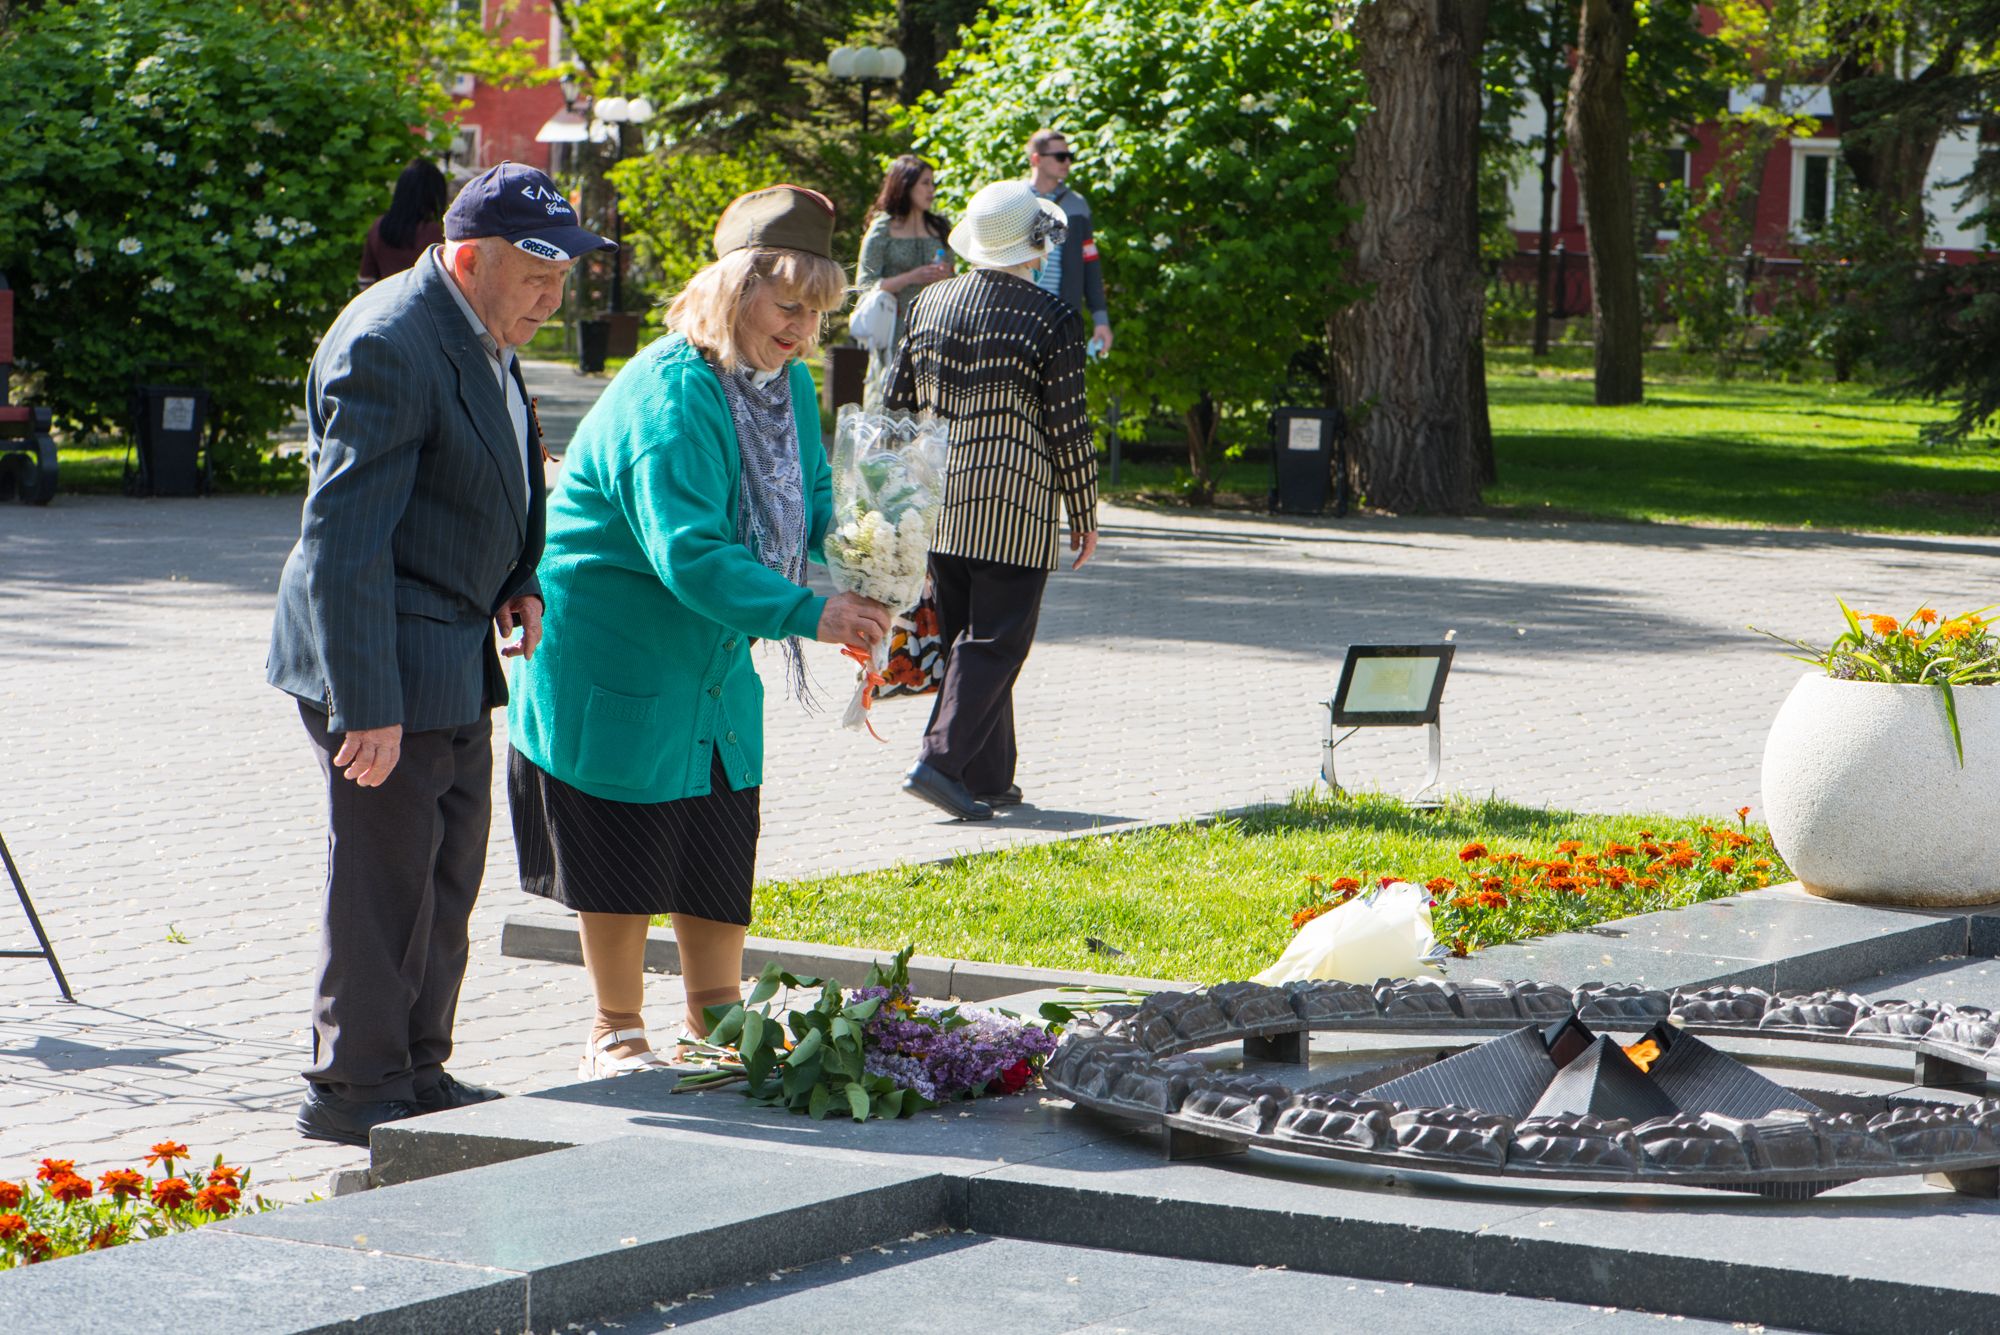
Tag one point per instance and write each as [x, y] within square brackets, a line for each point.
[689, 502]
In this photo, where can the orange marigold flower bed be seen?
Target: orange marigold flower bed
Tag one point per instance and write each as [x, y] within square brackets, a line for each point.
[1723, 865]
[70, 1188]
[166, 1149]
[217, 1199]
[11, 1227]
[1472, 852]
[11, 1194]
[123, 1182]
[52, 1169]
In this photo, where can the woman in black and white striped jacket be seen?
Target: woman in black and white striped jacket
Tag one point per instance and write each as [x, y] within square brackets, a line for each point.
[1002, 361]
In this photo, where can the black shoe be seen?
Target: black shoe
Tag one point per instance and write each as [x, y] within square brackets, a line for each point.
[944, 793]
[326, 1116]
[1010, 798]
[451, 1092]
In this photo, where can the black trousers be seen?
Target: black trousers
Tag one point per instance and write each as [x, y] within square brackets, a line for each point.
[987, 613]
[403, 867]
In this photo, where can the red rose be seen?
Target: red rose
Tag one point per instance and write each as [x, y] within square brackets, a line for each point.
[1014, 1078]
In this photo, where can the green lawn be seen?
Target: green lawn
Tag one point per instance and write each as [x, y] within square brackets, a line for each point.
[1215, 903]
[1729, 452]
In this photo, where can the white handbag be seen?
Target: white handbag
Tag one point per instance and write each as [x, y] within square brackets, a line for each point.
[873, 323]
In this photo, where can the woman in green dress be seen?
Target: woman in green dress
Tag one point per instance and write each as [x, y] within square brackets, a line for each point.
[903, 252]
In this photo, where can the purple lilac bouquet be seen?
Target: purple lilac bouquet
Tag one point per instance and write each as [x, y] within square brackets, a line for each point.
[949, 1052]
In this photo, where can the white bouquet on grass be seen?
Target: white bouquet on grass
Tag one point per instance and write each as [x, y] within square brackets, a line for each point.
[888, 491]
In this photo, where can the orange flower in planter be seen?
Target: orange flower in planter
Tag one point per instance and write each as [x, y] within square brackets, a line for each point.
[1881, 625]
[11, 1194]
[52, 1169]
[172, 1193]
[1927, 615]
[218, 1199]
[123, 1182]
[70, 1189]
[1956, 630]
[168, 1150]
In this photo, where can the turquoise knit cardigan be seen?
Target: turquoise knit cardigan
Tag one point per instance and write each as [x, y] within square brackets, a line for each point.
[644, 666]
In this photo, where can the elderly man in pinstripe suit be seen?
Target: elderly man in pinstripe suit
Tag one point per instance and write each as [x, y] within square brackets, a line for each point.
[1002, 361]
[420, 536]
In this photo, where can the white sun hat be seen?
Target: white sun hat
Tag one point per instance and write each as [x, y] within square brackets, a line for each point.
[1007, 224]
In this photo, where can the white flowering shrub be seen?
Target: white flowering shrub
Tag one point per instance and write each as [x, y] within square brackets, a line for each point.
[184, 181]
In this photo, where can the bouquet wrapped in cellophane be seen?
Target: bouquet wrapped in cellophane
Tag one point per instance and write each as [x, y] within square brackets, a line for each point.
[888, 491]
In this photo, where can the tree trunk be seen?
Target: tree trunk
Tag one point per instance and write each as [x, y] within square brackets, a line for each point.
[1600, 146]
[926, 32]
[1402, 356]
[1201, 421]
[1542, 255]
[1889, 164]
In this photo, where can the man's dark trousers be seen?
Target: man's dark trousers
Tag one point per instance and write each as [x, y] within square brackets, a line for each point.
[404, 863]
[987, 613]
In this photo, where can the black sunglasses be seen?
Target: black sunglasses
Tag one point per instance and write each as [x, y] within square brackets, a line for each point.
[1061, 157]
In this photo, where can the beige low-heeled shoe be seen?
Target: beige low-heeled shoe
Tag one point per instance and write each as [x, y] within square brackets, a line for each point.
[599, 1064]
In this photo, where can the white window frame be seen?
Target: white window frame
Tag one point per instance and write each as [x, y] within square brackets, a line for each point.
[1801, 150]
[558, 41]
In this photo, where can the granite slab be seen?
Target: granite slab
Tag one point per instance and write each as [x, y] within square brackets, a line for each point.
[1886, 1261]
[972, 1284]
[1779, 939]
[1966, 981]
[608, 1227]
[212, 1279]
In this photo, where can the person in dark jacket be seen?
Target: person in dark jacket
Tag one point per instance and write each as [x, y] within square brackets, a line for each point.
[413, 224]
[1001, 360]
[1073, 271]
[422, 528]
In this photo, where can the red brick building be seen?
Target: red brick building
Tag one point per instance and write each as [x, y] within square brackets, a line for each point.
[499, 124]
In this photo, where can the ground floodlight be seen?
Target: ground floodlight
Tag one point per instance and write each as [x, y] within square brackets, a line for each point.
[1388, 686]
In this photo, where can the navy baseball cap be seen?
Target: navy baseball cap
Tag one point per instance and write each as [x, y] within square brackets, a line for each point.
[523, 206]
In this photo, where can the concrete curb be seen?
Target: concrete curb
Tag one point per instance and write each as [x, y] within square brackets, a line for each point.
[555, 939]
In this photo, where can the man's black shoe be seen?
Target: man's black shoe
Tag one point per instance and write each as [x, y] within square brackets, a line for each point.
[451, 1092]
[1010, 798]
[326, 1116]
[945, 793]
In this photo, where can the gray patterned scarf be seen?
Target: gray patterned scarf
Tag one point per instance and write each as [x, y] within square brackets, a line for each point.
[771, 515]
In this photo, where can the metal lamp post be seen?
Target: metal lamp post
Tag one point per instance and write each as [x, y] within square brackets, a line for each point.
[866, 65]
[609, 116]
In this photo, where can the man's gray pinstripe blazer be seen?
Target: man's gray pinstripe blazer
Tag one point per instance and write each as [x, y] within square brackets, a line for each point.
[418, 523]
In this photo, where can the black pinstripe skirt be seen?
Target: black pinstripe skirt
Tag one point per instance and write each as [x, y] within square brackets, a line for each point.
[694, 855]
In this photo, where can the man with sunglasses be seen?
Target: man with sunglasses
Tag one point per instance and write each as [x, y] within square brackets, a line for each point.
[1072, 271]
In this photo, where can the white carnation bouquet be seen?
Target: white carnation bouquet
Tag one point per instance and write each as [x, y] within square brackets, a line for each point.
[888, 491]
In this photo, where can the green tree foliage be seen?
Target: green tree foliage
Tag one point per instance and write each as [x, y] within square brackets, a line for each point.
[1210, 136]
[427, 41]
[672, 202]
[185, 181]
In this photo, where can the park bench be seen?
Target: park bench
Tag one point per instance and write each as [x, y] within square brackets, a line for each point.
[29, 475]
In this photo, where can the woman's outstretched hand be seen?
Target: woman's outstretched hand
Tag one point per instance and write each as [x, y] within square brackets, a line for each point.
[854, 621]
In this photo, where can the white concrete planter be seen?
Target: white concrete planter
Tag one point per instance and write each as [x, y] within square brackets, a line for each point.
[1866, 799]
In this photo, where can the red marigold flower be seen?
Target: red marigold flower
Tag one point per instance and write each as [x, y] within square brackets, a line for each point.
[222, 1198]
[1647, 883]
[1344, 883]
[1568, 846]
[1563, 883]
[11, 1194]
[1762, 864]
[104, 1237]
[1491, 899]
[1743, 813]
[1472, 852]
[123, 1182]
[1680, 857]
[1723, 865]
[1619, 850]
[1386, 881]
[172, 1193]
[1440, 884]
[1492, 883]
[37, 1246]
[1558, 868]
[69, 1189]
[52, 1169]
[11, 1226]
[166, 1149]
[222, 1172]
[1464, 902]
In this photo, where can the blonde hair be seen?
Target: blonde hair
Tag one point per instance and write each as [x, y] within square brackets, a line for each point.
[709, 307]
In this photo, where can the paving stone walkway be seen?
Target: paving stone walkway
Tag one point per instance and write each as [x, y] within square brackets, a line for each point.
[164, 807]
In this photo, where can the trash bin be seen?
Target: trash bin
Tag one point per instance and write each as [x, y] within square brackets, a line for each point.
[1305, 446]
[168, 422]
[593, 341]
[622, 338]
